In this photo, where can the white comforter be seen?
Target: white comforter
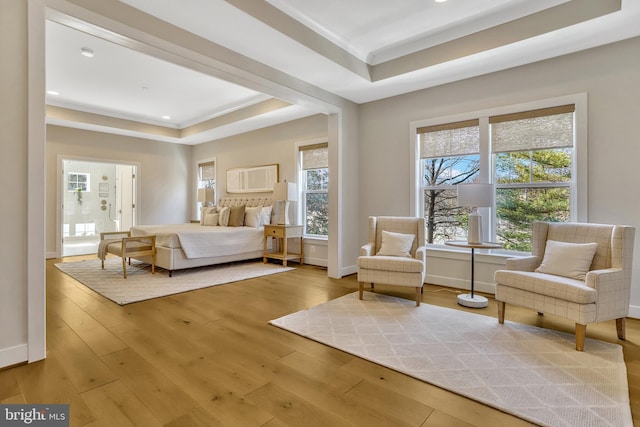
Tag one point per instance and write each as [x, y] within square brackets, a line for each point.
[199, 241]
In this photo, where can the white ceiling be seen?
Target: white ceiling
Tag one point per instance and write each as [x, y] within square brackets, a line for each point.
[360, 50]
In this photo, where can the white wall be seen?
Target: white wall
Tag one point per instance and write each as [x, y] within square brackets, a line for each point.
[611, 77]
[164, 172]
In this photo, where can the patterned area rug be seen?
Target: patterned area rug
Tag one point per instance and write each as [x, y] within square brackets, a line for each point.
[535, 374]
[141, 285]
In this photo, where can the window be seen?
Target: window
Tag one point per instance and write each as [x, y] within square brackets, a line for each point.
[78, 182]
[533, 158]
[529, 154]
[207, 175]
[314, 165]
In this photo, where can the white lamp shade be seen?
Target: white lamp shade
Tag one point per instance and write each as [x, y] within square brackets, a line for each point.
[205, 195]
[285, 191]
[476, 195]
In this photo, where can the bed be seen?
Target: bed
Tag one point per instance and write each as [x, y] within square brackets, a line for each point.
[180, 246]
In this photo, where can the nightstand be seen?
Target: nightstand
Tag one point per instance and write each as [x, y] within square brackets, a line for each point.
[281, 233]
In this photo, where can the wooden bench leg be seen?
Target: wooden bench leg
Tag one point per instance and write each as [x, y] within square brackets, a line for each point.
[124, 267]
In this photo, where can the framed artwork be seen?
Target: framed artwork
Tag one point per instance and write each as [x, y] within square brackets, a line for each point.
[256, 179]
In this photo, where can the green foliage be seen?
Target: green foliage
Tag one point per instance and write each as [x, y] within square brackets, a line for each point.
[317, 202]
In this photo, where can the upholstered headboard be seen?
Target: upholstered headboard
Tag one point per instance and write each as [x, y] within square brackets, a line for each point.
[247, 201]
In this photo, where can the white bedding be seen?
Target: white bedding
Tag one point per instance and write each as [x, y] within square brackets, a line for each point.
[199, 241]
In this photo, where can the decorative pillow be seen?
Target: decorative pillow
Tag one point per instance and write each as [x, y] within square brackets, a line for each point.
[206, 210]
[224, 213]
[396, 244]
[266, 215]
[253, 216]
[211, 219]
[567, 259]
[236, 216]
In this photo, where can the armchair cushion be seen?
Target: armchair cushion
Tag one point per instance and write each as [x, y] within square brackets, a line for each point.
[567, 259]
[391, 263]
[396, 244]
[547, 286]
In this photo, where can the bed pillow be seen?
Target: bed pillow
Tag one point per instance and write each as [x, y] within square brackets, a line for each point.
[396, 244]
[567, 259]
[236, 216]
[211, 219]
[206, 210]
[253, 216]
[266, 215]
[224, 213]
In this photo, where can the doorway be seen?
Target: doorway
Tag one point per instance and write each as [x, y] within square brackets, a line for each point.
[96, 197]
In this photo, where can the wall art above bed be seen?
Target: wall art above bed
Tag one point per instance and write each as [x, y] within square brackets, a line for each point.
[254, 179]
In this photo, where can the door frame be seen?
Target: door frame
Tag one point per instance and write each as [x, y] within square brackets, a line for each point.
[59, 196]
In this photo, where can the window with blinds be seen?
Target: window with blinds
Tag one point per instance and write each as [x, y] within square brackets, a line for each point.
[314, 165]
[450, 155]
[531, 155]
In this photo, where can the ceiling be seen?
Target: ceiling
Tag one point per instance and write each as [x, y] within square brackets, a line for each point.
[358, 50]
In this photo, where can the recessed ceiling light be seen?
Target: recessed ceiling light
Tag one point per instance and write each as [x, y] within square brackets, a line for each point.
[166, 117]
[88, 52]
[52, 92]
[440, 1]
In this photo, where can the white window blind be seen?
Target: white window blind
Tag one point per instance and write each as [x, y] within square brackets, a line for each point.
[450, 139]
[315, 156]
[546, 128]
[207, 171]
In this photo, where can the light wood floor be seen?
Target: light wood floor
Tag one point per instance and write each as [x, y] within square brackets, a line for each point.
[209, 358]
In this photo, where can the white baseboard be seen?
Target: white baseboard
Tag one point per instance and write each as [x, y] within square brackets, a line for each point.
[14, 355]
[316, 261]
[634, 312]
[347, 271]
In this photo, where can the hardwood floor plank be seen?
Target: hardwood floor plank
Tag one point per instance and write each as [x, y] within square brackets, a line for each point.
[162, 397]
[116, 405]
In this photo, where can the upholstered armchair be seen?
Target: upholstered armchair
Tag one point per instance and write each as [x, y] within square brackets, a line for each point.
[579, 271]
[394, 255]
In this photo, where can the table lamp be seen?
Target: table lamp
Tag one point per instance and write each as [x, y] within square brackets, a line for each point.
[474, 196]
[283, 193]
[205, 195]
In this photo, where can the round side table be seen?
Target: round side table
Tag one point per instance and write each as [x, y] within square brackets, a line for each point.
[471, 300]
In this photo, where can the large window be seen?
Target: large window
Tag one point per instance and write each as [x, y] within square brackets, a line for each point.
[530, 156]
[314, 167]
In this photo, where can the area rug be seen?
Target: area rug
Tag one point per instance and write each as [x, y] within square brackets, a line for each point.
[141, 285]
[535, 374]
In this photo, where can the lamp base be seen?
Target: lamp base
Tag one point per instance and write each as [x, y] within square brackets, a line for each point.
[283, 214]
[477, 301]
[475, 228]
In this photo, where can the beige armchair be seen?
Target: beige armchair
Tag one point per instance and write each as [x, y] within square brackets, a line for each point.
[394, 255]
[565, 276]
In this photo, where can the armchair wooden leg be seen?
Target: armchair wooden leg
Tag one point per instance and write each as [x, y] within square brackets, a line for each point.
[581, 333]
[501, 312]
[418, 296]
[361, 288]
[621, 328]
[372, 285]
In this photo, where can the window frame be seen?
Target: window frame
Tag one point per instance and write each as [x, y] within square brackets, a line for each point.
[578, 201]
[88, 181]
